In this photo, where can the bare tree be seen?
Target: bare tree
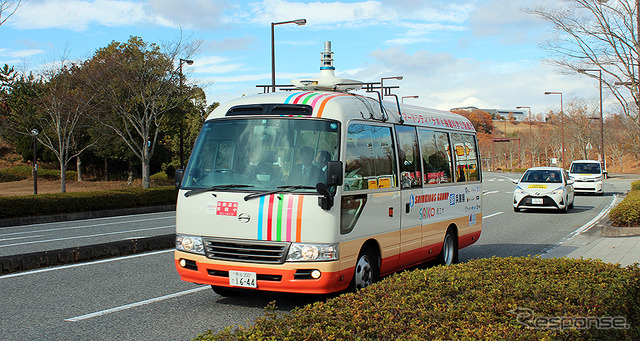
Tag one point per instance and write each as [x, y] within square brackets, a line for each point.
[598, 34]
[8, 8]
[138, 84]
[63, 115]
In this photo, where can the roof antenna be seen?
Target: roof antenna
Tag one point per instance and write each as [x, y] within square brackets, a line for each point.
[386, 91]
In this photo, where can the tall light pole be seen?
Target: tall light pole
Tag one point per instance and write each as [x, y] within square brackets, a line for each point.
[189, 62]
[530, 132]
[599, 71]
[403, 97]
[561, 120]
[34, 134]
[298, 22]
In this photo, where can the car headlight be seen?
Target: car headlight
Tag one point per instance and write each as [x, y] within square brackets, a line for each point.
[559, 190]
[299, 252]
[190, 244]
[519, 190]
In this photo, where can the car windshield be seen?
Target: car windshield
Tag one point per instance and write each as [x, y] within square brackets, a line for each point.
[262, 154]
[542, 175]
[585, 168]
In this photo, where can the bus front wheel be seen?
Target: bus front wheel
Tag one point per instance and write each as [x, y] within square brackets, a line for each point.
[366, 271]
[449, 253]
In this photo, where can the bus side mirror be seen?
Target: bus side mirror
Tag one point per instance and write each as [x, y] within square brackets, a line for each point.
[178, 178]
[334, 173]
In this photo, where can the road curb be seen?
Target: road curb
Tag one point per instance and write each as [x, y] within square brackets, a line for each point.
[83, 215]
[35, 260]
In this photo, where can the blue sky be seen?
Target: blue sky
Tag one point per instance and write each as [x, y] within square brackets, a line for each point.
[452, 53]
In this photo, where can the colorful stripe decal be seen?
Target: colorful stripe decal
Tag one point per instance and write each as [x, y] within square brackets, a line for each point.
[324, 102]
[281, 221]
[299, 219]
[295, 101]
[289, 215]
[270, 217]
[260, 217]
[305, 97]
[291, 96]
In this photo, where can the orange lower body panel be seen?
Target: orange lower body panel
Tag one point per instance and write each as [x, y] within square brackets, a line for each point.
[270, 278]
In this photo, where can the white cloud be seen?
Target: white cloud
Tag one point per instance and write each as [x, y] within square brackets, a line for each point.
[77, 14]
[505, 19]
[25, 53]
[216, 65]
[203, 14]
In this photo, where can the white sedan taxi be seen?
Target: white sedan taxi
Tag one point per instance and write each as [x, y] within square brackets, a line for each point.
[544, 187]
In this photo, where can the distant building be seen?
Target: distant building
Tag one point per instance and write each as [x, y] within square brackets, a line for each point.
[519, 115]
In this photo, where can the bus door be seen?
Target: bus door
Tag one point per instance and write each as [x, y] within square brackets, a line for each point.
[370, 206]
[412, 196]
[437, 164]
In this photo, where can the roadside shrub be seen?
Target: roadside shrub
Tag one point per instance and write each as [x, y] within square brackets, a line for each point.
[627, 212]
[485, 299]
[635, 186]
[57, 203]
[18, 173]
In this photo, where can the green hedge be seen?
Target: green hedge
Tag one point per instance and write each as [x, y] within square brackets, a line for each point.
[627, 212]
[477, 300]
[18, 173]
[56, 203]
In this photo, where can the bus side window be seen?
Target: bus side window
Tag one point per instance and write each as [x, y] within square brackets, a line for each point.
[410, 171]
[436, 157]
[466, 157]
[369, 158]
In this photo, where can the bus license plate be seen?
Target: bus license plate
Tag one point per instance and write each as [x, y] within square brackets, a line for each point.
[242, 279]
[536, 201]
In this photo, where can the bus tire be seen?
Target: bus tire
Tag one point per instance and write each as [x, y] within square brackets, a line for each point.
[449, 253]
[226, 292]
[366, 271]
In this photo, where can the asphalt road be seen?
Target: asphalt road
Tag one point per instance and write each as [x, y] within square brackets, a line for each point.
[24, 239]
[141, 297]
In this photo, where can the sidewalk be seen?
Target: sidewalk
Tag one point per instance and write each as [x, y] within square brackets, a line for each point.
[602, 241]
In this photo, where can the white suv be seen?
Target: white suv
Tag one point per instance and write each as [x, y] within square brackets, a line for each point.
[587, 176]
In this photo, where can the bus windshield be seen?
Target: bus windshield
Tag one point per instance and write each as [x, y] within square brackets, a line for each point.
[262, 154]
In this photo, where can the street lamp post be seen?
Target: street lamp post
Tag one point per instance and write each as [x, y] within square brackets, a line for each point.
[189, 62]
[530, 132]
[403, 97]
[298, 22]
[34, 133]
[599, 71]
[561, 120]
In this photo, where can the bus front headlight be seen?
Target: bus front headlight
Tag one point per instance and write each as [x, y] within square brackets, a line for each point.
[191, 244]
[299, 252]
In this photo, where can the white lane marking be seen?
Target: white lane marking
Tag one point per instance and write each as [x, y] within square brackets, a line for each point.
[490, 192]
[88, 236]
[79, 227]
[70, 266]
[492, 215]
[14, 238]
[584, 227]
[134, 305]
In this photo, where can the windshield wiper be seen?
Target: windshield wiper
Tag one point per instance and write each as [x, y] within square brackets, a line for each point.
[281, 189]
[214, 188]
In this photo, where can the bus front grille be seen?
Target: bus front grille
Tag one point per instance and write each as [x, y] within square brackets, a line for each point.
[252, 251]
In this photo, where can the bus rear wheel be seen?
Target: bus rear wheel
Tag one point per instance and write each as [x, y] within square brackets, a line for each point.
[366, 271]
[449, 253]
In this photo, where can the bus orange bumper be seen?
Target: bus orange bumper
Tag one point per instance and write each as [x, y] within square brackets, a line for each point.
[277, 277]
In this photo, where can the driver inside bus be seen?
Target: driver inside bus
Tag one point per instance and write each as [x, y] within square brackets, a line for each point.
[305, 173]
